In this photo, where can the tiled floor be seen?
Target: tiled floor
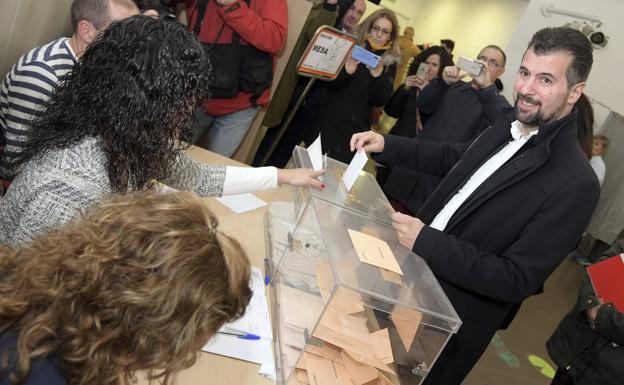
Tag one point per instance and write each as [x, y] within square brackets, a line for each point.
[506, 360]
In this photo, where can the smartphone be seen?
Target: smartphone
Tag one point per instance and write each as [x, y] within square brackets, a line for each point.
[365, 56]
[472, 67]
[422, 70]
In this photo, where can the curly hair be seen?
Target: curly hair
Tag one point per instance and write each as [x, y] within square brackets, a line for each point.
[445, 59]
[136, 89]
[139, 283]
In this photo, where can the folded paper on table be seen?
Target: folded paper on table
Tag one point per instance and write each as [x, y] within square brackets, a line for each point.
[240, 203]
[255, 321]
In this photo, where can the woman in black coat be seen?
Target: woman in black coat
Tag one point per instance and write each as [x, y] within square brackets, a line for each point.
[404, 103]
[358, 88]
[399, 183]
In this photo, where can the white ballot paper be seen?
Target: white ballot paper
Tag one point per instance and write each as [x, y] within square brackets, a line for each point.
[353, 171]
[315, 152]
[256, 321]
[240, 203]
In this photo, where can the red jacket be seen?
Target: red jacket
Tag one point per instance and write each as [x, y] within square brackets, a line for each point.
[263, 25]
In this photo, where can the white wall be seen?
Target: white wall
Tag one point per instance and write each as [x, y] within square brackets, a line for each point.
[472, 24]
[606, 81]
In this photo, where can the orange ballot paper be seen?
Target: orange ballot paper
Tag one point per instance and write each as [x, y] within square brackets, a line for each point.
[374, 251]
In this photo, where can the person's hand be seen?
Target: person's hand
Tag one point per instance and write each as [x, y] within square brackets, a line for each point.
[452, 75]
[369, 141]
[351, 65]
[485, 77]
[304, 177]
[151, 13]
[410, 82]
[221, 3]
[415, 81]
[591, 314]
[407, 228]
[377, 71]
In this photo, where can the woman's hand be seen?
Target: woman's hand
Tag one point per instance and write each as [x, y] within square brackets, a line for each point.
[304, 177]
[377, 71]
[351, 65]
[415, 81]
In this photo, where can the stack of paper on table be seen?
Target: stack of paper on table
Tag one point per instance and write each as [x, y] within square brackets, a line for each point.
[255, 321]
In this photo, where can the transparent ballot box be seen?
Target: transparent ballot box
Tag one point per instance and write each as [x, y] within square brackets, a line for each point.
[337, 319]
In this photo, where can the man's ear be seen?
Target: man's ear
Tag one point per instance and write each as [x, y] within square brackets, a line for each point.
[575, 92]
[86, 31]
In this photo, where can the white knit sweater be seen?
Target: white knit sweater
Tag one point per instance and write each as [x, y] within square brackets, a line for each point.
[54, 188]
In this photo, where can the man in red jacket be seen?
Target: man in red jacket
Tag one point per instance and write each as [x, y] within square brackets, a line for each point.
[258, 23]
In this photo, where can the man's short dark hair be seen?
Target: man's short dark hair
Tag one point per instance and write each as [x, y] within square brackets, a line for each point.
[566, 40]
[448, 43]
[97, 12]
[499, 49]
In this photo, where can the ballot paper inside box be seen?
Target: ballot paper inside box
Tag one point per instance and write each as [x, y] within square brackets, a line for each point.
[338, 319]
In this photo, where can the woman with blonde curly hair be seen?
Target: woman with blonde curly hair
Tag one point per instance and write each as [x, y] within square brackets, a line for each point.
[138, 284]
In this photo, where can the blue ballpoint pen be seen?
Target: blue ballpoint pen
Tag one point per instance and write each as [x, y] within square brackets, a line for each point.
[244, 336]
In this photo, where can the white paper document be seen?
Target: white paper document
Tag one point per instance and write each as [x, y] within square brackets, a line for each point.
[255, 321]
[240, 203]
[355, 167]
[315, 152]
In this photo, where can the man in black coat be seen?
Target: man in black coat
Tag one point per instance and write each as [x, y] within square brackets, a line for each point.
[512, 203]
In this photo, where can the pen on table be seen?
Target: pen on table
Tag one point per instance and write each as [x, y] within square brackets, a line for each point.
[243, 336]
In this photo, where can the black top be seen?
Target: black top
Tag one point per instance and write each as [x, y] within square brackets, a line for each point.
[46, 371]
[459, 112]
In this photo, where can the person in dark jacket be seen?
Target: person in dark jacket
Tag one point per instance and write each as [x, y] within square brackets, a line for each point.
[451, 111]
[139, 283]
[460, 111]
[352, 96]
[512, 203]
[403, 105]
[588, 344]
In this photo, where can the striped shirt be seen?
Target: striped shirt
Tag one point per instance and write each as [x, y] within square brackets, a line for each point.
[27, 89]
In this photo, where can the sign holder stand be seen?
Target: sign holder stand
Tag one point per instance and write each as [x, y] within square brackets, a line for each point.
[323, 59]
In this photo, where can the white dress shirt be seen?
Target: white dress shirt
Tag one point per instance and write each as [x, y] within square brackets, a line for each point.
[481, 175]
[239, 180]
[599, 167]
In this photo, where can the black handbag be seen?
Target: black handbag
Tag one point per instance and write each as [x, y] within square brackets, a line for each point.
[225, 62]
[235, 67]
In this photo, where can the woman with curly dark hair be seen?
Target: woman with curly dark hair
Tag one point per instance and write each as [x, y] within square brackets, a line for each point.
[119, 122]
[140, 283]
[404, 102]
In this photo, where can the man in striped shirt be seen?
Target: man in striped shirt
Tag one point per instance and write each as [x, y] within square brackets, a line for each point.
[29, 84]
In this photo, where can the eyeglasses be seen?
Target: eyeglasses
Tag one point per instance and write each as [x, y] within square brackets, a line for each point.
[379, 30]
[491, 62]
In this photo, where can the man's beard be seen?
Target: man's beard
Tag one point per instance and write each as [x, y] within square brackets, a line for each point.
[538, 117]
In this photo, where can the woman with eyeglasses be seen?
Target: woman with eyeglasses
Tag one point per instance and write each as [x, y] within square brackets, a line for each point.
[137, 284]
[358, 88]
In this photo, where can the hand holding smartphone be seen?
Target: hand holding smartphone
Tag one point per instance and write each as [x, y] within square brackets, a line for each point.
[470, 66]
[422, 70]
[365, 56]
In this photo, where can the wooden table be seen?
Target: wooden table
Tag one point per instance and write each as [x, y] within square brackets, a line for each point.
[248, 229]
